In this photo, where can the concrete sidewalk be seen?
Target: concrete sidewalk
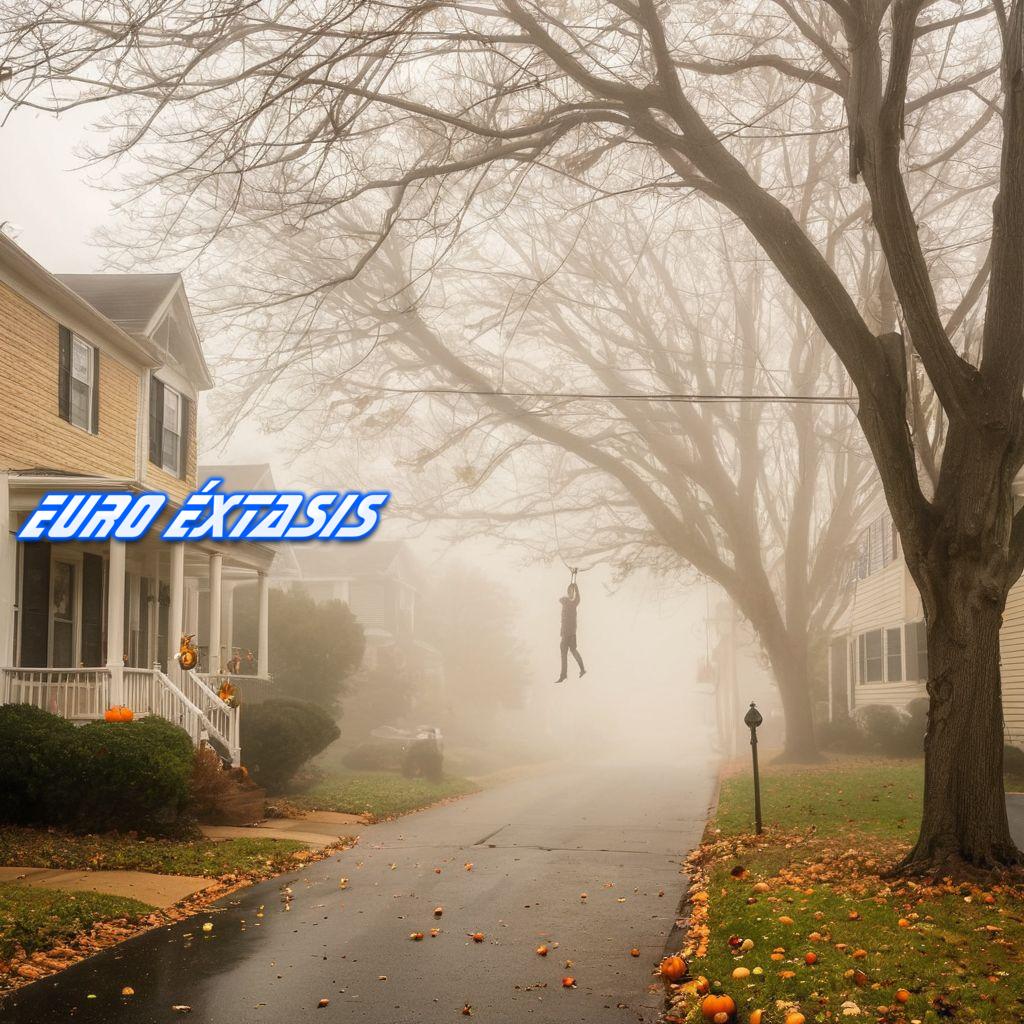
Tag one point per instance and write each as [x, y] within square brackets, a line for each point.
[160, 891]
[316, 830]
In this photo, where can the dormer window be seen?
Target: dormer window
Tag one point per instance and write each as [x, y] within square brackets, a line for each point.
[78, 393]
[169, 415]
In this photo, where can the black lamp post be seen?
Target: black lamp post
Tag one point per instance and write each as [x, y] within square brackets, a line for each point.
[752, 719]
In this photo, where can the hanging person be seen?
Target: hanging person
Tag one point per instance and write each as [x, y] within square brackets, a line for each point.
[569, 605]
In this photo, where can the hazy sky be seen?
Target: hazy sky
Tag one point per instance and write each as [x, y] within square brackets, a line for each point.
[642, 642]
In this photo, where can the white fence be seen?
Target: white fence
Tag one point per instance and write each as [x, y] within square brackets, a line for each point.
[80, 694]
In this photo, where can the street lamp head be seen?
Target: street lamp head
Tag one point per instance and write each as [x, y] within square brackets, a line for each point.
[752, 719]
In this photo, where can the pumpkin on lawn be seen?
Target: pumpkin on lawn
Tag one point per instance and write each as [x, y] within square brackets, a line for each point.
[673, 968]
[718, 1008]
[118, 713]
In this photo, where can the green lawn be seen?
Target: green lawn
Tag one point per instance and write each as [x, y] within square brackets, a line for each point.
[39, 919]
[379, 794]
[831, 831]
[38, 848]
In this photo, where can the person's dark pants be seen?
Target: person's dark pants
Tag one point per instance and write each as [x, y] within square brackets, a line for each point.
[569, 645]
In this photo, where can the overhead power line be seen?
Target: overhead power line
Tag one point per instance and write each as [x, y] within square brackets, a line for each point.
[584, 396]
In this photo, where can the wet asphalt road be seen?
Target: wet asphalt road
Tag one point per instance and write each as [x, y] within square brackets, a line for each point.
[614, 831]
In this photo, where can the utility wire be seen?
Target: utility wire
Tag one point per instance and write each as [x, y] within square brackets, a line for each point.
[577, 396]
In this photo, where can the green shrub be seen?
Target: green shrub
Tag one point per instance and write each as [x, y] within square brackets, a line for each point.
[916, 725]
[280, 736]
[1013, 761]
[34, 749]
[842, 736]
[424, 760]
[885, 728]
[131, 776]
[382, 756]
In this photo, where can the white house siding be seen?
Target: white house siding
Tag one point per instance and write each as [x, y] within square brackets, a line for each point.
[890, 598]
[1011, 649]
[879, 600]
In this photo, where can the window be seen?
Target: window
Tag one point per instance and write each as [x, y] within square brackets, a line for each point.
[894, 654]
[171, 445]
[878, 547]
[62, 615]
[78, 381]
[169, 418]
[870, 657]
[922, 650]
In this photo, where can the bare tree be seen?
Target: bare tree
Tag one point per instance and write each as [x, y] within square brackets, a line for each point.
[419, 113]
[763, 497]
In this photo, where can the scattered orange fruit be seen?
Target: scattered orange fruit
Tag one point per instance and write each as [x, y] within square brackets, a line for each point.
[810, 959]
[902, 995]
[568, 982]
[478, 936]
[634, 951]
[673, 968]
[541, 951]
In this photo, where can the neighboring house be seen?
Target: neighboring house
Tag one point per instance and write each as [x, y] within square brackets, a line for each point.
[379, 582]
[878, 653]
[101, 377]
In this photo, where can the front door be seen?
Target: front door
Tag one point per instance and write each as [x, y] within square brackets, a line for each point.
[63, 618]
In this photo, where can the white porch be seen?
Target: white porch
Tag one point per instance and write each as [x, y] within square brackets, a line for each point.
[84, 626]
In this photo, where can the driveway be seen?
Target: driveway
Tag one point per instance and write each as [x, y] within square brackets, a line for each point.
[613, 831]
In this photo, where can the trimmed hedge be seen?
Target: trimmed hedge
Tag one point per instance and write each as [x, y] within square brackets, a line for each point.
[125, 776]
[135, 772]
[280, 736]
[34, 762]
[376, 756]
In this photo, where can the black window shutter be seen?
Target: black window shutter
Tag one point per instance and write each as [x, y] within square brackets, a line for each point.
[64, 374]
[156, 420]
[92, 610]
[186, 433]
[95, 390]
[35, 603]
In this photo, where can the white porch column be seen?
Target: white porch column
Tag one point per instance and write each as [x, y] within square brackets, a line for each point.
[263, 634]
[177, 604]
[115, 620]
[216, 566]
[152, 612]
[228, 622]
[8, 578]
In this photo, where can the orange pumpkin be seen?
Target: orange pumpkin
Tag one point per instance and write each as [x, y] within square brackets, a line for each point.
[713, 1006]
[127, 714]
[795, 1017]
[756, 1017]
[118, 713]
[673, 968]
[110, 715]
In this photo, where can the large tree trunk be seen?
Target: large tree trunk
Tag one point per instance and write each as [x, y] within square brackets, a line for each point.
[791, 668]
[798, 707]
[964, 826]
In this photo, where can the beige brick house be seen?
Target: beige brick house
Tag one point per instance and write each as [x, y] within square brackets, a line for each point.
[101, 378]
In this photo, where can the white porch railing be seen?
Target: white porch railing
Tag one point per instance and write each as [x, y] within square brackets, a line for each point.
[79, 694]
[250, 689]
[222, 720]
[83, 695]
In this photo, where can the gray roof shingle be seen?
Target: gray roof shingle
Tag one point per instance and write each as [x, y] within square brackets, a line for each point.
[130, 300]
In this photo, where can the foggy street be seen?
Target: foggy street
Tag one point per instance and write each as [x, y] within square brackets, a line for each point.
[614, 831]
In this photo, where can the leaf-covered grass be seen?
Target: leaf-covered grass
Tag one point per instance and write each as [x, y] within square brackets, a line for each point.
[36, 848]
[39, 919]
[958, 950]
[379, 794]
